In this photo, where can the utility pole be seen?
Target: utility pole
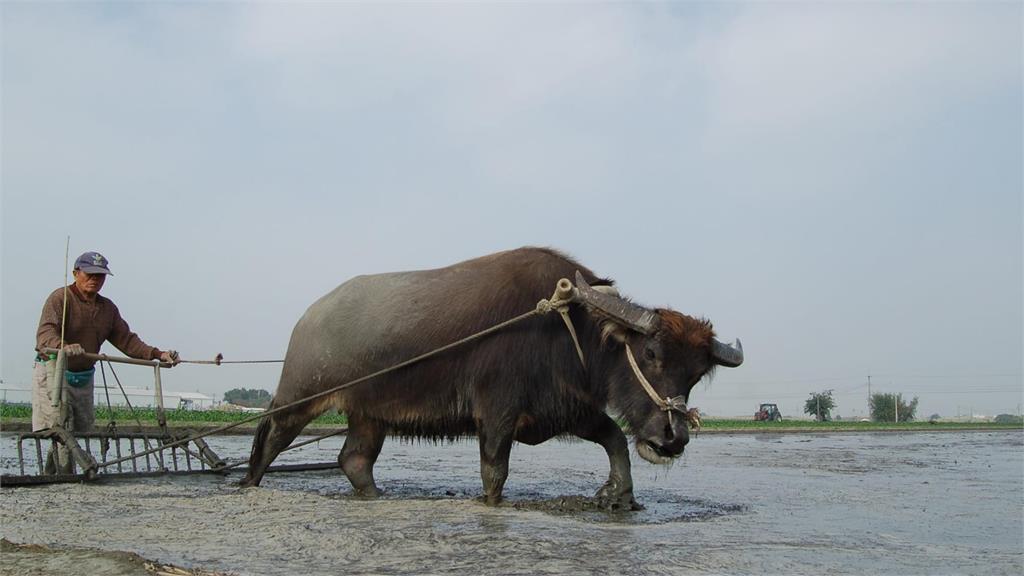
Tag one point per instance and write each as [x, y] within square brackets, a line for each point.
[869, 395]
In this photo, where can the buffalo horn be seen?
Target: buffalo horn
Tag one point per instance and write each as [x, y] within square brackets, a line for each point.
[635, 317]
[729, 355]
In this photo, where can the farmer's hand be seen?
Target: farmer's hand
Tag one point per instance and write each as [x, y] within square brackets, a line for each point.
[170, 357]
[73, 350]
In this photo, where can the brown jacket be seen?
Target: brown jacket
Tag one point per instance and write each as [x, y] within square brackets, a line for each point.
[88, 324]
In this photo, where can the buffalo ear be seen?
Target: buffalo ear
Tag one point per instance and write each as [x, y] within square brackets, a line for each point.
[612, 330]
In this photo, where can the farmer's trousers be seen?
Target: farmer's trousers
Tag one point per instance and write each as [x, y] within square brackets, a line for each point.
[80, 418]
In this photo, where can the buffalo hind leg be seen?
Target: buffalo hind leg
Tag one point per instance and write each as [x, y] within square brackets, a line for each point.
[495, 447]
[357, 457]
[617, 492]
[273, 434]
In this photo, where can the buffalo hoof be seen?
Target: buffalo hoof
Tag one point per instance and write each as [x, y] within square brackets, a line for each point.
[624, 503]
[369, 493]
[491, 500]
[613, 500]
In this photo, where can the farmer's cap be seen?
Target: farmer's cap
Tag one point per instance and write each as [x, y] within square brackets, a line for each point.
[93, 263]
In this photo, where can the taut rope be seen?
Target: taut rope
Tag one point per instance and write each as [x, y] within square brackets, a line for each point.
[219, 359]
[561, 298]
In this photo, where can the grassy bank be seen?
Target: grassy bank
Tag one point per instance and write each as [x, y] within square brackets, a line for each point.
[726, 425]
[13, 414]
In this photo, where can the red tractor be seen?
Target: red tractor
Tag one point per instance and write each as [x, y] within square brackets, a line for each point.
[768, 413]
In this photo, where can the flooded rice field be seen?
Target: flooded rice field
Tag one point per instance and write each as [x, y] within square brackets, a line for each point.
[884, 503]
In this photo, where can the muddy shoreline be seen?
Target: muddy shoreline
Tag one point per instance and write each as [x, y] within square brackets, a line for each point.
[26, 559]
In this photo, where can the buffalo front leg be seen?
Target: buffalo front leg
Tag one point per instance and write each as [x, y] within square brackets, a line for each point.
[495, 446]
[357, 457]
[273, 434]
[617, 492]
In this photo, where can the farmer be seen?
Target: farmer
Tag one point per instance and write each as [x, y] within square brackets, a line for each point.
[89, 320]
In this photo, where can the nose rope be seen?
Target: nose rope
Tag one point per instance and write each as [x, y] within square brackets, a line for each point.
[670, 405]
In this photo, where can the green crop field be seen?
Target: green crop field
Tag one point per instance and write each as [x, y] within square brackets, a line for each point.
[21, 412]
[11, 412]
[712, 424]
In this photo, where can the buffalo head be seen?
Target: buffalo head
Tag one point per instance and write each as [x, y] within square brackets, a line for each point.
[662, 355]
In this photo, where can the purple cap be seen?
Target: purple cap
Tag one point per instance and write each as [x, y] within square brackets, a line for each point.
[93, 263]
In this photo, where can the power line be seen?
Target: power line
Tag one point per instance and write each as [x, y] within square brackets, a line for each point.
[947, 376]
[944, 376]
[802, 394]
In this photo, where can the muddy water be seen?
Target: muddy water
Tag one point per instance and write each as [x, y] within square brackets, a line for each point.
[942, 503]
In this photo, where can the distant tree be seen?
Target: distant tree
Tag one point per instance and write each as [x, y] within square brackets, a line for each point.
[934, 418]
[248, 397]
[1008, 419]
[883, 408]
[820, 405]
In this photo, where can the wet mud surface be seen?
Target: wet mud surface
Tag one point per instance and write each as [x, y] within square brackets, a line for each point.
[923, 503]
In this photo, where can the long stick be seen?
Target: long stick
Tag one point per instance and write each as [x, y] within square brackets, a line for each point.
[57, 386]
[64, 311]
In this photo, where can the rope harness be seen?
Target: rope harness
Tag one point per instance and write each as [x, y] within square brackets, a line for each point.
[564, 295]
[670, 405]
[559, 302]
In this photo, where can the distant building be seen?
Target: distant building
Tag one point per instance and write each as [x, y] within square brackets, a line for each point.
[194, 401]
[146, 398]
[139, 397]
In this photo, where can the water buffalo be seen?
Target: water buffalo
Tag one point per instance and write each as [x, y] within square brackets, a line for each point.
[522, 383]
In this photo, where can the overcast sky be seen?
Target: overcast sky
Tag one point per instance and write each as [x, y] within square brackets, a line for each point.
[837, 184]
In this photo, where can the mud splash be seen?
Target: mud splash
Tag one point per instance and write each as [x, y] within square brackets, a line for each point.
[663, 511]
